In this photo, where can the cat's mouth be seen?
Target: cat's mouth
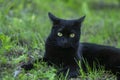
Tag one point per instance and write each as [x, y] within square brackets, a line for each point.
[65, 46]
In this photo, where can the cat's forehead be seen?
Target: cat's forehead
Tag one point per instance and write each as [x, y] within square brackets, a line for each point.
[66, 23]
[66, 27]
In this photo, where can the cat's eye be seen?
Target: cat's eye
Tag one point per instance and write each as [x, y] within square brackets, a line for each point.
[72, 35]
[59, 34]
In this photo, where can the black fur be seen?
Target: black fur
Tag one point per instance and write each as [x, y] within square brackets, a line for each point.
[63, 50]
[106, 56]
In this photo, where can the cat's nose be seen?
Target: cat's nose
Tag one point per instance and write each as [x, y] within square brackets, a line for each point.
[65, 43]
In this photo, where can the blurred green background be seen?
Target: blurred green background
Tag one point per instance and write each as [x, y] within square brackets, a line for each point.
[24, 26]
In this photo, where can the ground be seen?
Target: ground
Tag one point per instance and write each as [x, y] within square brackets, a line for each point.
[24, 27]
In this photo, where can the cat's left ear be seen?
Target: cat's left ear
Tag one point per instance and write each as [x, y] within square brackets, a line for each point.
[54, 19]
[79, 21]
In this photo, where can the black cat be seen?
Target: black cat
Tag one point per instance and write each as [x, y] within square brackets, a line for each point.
[62, 48]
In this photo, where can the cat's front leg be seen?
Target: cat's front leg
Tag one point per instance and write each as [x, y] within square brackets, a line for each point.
[30, 65]
[26, 66]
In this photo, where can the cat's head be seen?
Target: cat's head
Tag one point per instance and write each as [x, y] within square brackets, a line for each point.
[65, 33]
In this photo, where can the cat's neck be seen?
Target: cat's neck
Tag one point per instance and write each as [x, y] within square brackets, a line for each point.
[52, 49]
[51, 45]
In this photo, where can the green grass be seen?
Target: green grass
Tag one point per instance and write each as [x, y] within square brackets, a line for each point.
[24, 26]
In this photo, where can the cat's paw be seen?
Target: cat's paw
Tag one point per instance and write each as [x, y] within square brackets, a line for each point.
[27, 66]
[68, 72]
[73, 74]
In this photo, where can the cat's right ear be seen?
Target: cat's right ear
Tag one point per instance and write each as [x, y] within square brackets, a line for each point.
[54, 19]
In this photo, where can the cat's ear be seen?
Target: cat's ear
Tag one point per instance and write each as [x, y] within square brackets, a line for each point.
[54, 19]
[79, 21]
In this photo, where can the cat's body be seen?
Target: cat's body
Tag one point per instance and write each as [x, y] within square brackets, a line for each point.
[106, 56]
[62, 48]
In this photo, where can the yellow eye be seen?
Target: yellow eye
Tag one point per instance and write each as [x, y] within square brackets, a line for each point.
[72, 35]
[59, 34]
